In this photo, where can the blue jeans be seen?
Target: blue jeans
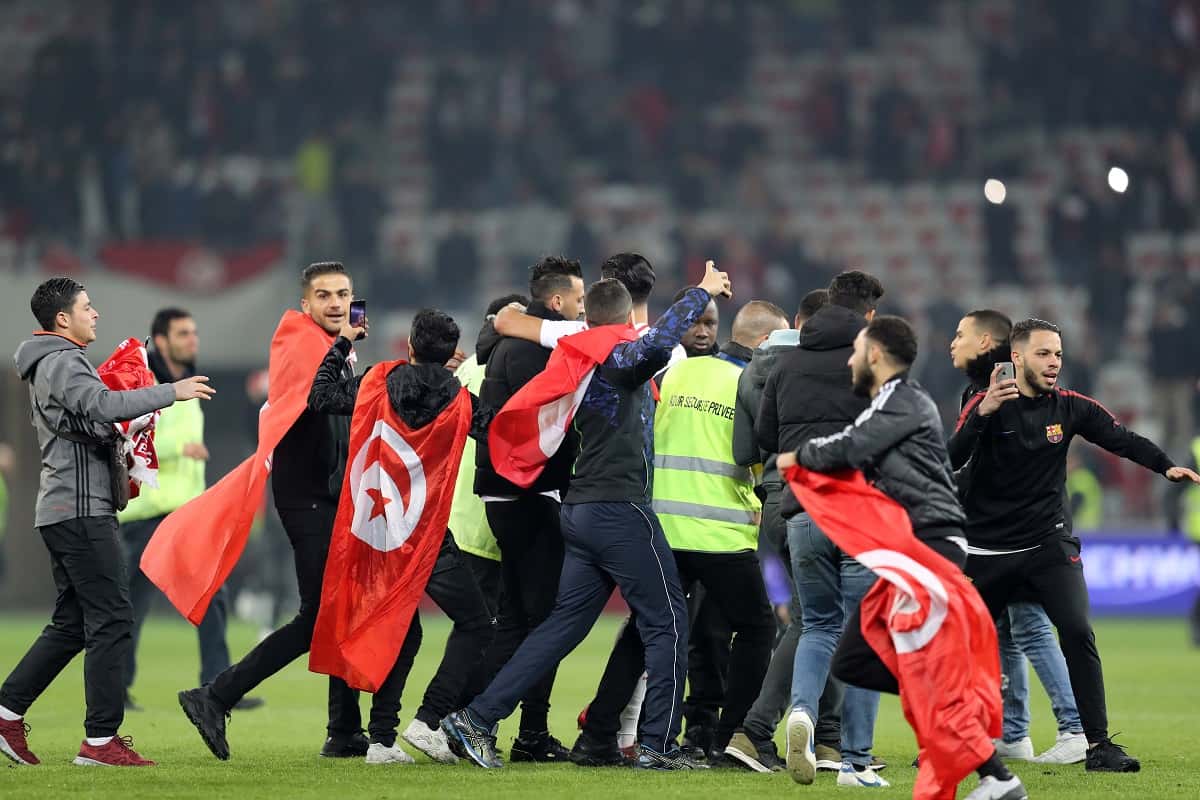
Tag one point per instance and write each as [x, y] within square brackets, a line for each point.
[1025, 630]
[829, 585]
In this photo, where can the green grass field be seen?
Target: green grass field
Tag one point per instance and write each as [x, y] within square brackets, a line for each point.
[1153, 690]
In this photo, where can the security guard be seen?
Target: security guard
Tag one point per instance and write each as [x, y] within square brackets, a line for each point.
[710, 514]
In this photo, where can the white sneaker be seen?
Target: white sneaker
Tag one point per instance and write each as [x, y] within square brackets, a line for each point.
[867, 779]
[430, 741]
[801, 758]
[1020, 750]
[1070, 748]
[991, 789]
[380, 754]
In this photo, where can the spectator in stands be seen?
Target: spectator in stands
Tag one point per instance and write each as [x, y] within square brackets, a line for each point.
[1175, 364]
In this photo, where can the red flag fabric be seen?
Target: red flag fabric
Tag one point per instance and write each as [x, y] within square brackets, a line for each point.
[390, 523]
[924, 619]
[129, 368]
[195, 548]
[534, 421]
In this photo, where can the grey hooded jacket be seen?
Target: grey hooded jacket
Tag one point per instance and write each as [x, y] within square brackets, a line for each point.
[68, 395]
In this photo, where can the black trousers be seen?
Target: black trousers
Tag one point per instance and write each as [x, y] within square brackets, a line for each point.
[92, 613]
[529, 533]
[488, 575]
[308, 530]
[1052, 575]
[855, 662]
[214, 652]
[708, 666]
[734, 583]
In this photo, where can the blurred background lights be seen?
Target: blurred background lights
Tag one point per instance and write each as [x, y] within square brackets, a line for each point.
[1118, 179]
[994, 191]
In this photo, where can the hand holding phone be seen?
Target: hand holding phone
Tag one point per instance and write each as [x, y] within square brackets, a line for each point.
[1002, 389]
[715, 282]
[355, 327]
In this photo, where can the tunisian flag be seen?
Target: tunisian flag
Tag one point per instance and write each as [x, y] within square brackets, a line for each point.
[195, 548]
[924, 619]
[390, 524]
[129, 368]
[534, 421]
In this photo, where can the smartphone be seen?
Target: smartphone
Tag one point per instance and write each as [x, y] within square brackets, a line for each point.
[358, 313]
[1007, 371]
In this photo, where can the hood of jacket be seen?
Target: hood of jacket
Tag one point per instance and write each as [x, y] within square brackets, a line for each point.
[419, 392]
[31, 351]
[832, 327]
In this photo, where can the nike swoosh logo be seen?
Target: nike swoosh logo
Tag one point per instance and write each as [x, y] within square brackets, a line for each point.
[1007, 433]
[1076, 559]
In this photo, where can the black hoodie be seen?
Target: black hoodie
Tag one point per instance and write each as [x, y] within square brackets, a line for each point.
[810, 392]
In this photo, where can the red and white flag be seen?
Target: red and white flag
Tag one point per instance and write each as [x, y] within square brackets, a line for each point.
[924, 619]
[195, 548]
[391, 521]
[534, 421]
[129, 368]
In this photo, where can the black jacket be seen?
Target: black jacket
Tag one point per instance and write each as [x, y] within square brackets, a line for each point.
[1015, 494]
[310, 461]
[746, 451]
[418, 392]
[512, 363]
[810, 392]
[899, 445]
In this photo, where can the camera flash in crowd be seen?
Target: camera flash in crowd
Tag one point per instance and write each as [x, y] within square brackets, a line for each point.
[994, 191]
[1118, 180]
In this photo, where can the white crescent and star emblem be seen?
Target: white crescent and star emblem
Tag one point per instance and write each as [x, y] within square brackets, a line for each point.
[381, 518]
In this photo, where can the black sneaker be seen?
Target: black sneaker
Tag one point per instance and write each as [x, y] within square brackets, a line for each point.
[248, 704]
[539, 747]
[591, 752]
[353, 746]
[675, 759]
[1107, 756]
[208, 714]
[698, 741]
[768, 755]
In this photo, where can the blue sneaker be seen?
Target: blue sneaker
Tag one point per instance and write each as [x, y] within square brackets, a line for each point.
[471, 741]
[866, 779]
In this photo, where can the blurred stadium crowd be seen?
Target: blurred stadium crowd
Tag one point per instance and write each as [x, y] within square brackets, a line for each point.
[438, 148]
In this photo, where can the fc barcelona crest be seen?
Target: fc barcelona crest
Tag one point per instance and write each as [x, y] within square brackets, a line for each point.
[1054, 433]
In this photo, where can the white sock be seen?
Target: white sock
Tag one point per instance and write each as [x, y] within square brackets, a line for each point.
[8, 715]
[627, 735]
[99, 741]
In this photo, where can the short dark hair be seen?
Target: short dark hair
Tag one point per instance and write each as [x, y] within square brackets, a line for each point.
[995, 323]
[633, 271]
[552, 275]
[499, 303]
[608, 302]
[856, 291]
[161, 324]
[1025, 328]
[895, 336]
[434, 336]
[319, 268]
[51, 297]
[813, 302]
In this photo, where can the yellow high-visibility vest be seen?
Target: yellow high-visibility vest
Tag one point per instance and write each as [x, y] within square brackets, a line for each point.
[1191, 499]
[468, 520]
[1083, 484]
[703, 499]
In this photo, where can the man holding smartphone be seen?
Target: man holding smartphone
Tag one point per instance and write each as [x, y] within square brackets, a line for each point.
[1017, 433]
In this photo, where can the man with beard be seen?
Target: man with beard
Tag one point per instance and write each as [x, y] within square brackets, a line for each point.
[899, 445]
[179, 445]
[1020, 540]
[980, 342]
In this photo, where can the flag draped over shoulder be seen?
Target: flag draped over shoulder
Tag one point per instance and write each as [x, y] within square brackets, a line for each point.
[390, 524]
[129, 368]
[195, 548]
[924, 619]
[534, 421]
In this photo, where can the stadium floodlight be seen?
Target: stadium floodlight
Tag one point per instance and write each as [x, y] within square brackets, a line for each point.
[994, 191]
[1118, 180]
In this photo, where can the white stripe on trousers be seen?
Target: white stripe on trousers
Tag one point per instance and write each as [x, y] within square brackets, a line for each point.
[674, 625]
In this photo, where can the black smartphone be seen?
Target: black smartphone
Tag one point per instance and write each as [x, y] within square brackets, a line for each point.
[358, 313]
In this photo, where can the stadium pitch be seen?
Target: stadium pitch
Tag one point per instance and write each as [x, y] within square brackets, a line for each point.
[1152, 676]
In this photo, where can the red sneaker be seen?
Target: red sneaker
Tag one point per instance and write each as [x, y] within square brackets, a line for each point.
[13, 744]
[118, 752]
